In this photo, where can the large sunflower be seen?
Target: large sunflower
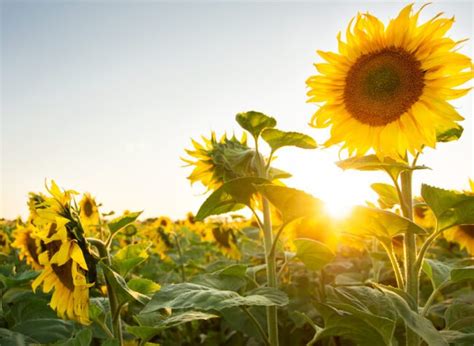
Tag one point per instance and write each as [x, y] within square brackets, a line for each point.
[63, 256]
[388, 87]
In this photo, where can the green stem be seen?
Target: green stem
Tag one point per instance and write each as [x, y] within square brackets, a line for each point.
[113, 301]
[395, 266]
[180, 254]
[256, 324]
[431, 298]
[411, 273]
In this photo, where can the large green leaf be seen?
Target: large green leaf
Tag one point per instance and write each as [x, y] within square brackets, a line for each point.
[291, 203]
[143, 286]
[313, 254]
[81, 338]
[45, 330]
[388, 196]
[419, 324]
[460, 316]
[373, 163]
[277, 139]
[10, 338]
[120, 222]
[232, 195]
[381, 224]
[129, 257]
[450, 207]
[461, 274]
[255, 122]
[124, 293]
[229, 278]
[437, 271]
[193, 296]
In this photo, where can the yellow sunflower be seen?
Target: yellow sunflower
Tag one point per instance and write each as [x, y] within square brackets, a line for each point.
[388, 87]
[63, 257]
[89, 212]
[160, 232]
[224, 236]
[4, 243]
[218, 161]
[28, 244]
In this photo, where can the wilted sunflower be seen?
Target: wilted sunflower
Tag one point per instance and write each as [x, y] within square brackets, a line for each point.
[388, 87]
[64, 257]
[28, 244]
[89, 212]
[218, 161]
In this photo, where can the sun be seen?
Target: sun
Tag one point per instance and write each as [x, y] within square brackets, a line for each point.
[338, 208]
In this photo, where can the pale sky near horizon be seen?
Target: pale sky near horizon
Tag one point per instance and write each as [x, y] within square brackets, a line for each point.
[104, 96]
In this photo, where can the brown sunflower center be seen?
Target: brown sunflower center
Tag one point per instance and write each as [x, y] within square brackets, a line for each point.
[383, 85]
[32, 248]
[468, 230]
[63, 272]
[88, 208]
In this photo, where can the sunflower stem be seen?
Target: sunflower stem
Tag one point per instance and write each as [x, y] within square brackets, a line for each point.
[410, 252]
[112, 295]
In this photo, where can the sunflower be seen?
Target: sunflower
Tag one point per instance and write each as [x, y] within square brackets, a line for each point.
[64, 256]
[4, 243]
[89, 212]
[218, 161]
[28, 244]
[388, 87]
[160, 232]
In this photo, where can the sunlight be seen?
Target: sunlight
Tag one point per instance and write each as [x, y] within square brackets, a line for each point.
[338, 208]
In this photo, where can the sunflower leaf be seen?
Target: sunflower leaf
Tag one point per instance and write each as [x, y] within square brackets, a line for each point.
[461, 274]
[437, 271]
[277, 139]
[120, 222]
[291, 203]
[451, 208]
[374, 163]
[452, 134]
[255, 122]
[199, 297]
[232, 195]
[314, 254]
[388, 196]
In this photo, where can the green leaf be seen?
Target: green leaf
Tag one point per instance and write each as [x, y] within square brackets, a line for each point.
[229, 278]
[373, 163]
[129, 257]
[452, 134]
[312, 253]
[382, 224]
[255, 122]
[277, 139]
[291, 203]
[461, 274]
[232, 195]
[146, 332]
[238, 320]
[451, 208]
[193, 296]
[437, 271]
[82, 338]
[124, 293]
[388, 196]
[45, 330]
[120, 222]
[458, 338]
[419, 324]
[18, 280]
[460, 316]
[143, 286]
[10, 338]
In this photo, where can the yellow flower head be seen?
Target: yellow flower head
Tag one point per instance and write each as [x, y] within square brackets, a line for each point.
[218, 161]
[63, 254]
[89, 212]
[4, 242]
[388, 87]
[28, 244]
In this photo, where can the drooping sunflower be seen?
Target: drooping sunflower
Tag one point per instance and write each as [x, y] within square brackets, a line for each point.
[218, 161]
[388, 87]
[89, 212]
[68, 268]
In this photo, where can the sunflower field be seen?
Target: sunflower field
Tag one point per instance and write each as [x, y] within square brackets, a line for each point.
[262, 263]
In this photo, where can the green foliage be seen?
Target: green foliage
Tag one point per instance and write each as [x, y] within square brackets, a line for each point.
[315, 255]
[450, 207]
[255, 122]
[388, 196]
[452, 134]
[120, 222]
[129, 257]
[277, 139]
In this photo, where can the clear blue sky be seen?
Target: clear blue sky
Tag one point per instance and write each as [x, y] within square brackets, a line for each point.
[104, 96]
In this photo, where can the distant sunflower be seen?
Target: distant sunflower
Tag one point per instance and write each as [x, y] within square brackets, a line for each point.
[4, 243]
[89, 212]
[28, 244]
[388, 88]
[218, 161]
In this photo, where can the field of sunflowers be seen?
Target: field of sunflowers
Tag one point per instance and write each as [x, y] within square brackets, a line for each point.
[262, 263]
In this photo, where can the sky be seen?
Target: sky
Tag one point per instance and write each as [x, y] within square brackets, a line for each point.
[104, 96]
